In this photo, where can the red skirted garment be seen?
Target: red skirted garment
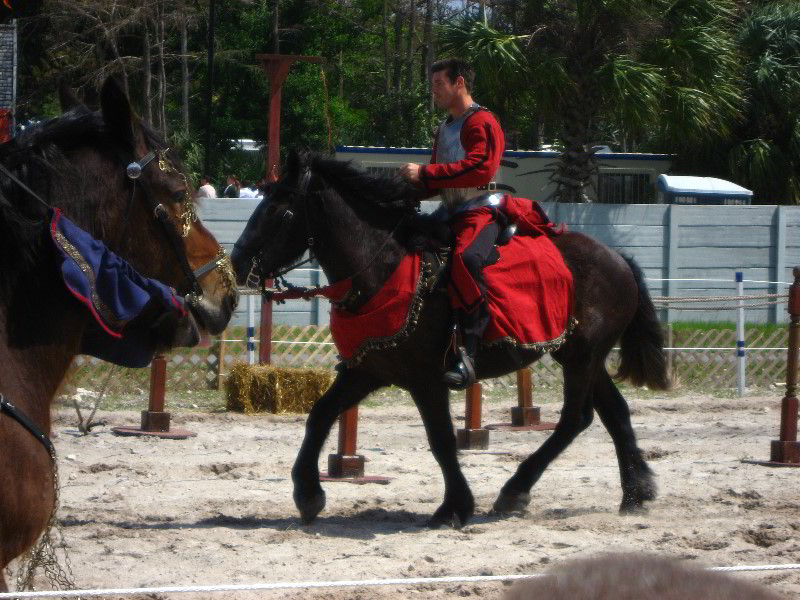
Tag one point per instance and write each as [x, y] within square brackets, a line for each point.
[385, 315]
[529, 293]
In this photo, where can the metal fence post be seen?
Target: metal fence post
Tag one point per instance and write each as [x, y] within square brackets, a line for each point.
[740, 354]
[251, 331]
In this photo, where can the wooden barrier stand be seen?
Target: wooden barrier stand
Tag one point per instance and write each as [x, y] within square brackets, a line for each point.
[524, 416]
[785, 451]
[155, 420]
[346, 465]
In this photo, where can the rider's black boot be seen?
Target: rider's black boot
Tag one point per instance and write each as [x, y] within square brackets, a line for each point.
[462, 374]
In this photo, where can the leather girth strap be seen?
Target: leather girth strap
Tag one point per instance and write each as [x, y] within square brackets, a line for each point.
[21, 418]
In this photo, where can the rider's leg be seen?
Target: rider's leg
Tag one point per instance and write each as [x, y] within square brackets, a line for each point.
[473, 319]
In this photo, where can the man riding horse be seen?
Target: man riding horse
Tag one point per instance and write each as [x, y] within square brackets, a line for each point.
[467, 151]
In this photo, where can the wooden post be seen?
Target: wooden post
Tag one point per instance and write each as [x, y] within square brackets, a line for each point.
[155, 420]
[473, 436]
[276, 68]
[785, 451]
[525, 413]
[346, 463]
[525, 416]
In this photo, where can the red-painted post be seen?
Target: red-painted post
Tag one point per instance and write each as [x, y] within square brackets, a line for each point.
[155, 420]
[525, 413]
[346, 463]
[785, 451]
[473, 436]
[276, 68]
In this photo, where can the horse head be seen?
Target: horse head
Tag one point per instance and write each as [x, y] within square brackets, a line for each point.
[278, 232]
[143, 209]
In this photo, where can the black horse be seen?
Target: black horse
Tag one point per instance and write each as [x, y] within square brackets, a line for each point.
[351, 219]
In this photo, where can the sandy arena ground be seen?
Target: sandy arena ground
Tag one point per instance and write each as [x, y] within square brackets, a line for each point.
[217, 508]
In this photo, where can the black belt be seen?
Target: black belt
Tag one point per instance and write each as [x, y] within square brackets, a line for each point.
[21, 418]
[497, 186]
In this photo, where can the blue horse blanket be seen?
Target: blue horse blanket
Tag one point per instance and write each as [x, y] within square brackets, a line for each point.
[116, 296]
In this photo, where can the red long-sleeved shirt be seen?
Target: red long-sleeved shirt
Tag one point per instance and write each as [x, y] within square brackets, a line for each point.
[483, 142]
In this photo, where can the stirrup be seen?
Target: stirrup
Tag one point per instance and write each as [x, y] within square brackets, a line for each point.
[462, 375]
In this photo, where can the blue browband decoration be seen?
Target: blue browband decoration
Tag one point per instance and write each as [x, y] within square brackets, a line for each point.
[115, 294]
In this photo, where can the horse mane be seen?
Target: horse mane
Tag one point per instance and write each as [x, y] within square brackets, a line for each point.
[389, 191]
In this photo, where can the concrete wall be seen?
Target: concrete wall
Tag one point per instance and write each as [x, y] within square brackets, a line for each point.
[8, 62]
[668, 241]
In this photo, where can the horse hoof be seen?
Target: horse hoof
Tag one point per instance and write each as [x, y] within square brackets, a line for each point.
[509, 503]
[311, 507]
[632, 508]
[448, 516]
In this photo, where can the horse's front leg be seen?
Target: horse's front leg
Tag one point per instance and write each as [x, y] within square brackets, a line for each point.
[348, 389]
[431, 399]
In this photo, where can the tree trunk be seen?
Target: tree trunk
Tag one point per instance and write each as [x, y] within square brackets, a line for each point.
[111, 40]
[146, 75]
[385, 32]
[398, 47]
[429, 52]
[162, 73]
[341, 74]
[412, 24]
[576, 163]
[276, 42]
[184, 68]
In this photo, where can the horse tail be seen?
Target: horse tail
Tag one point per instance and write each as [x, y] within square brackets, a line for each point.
[642, 358]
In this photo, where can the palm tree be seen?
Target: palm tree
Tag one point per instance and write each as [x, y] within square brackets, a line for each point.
[635, 62]
[766, 156]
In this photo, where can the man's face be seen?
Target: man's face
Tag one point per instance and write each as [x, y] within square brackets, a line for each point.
[444, 91]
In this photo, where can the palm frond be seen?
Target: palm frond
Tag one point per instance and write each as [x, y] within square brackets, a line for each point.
[496, 56]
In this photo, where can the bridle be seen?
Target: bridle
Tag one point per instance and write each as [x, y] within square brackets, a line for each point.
[191, 288]
[256, 275]
[256, 278]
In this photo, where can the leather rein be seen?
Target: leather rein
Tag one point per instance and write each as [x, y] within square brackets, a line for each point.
[257, 278]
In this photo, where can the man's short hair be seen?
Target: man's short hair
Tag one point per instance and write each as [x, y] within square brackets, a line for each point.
[455, 68]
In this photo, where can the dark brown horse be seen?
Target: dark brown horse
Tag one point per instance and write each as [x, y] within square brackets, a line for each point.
[78, 163]
[353, 219]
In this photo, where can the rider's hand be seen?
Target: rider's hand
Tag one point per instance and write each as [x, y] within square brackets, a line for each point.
[411, 172]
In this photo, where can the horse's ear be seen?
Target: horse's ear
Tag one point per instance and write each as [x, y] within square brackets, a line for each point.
[117, 113]
[293, 165]
[66, 97]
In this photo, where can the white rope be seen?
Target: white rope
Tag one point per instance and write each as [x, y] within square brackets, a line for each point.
[670, 299]
[288, 585]
[720, 280]
[666, 305]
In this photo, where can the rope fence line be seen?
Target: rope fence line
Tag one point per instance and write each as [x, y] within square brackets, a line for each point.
[325, 584]
[786, 283]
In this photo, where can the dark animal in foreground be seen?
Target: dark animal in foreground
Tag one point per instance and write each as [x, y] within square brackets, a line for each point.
[636, 577]
[78, 164]
[355, 222]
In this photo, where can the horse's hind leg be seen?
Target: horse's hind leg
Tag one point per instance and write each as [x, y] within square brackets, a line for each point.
[433, 405]
[637, 480]
[349, 388]
[576, 415]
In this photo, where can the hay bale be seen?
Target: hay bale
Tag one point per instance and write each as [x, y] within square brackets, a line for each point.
[264, 388]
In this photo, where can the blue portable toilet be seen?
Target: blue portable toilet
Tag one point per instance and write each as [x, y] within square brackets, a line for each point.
[685, 189]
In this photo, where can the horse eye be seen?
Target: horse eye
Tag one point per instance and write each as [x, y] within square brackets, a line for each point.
[178, 196]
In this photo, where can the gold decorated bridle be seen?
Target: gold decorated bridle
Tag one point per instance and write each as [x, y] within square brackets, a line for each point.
[221, 262]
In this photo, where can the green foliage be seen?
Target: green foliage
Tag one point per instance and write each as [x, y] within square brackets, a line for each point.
[715, 81]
